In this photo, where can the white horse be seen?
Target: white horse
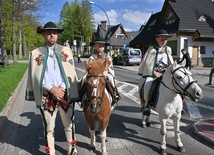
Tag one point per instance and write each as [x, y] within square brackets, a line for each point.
[177, 81]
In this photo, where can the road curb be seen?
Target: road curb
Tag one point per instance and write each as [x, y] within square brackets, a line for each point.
[200, 136]
[10, 103]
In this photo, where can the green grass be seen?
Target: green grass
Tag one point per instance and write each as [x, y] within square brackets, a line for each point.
[25, 58]
[9, 79]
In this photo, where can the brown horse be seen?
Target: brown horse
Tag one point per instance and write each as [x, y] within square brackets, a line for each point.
[96, 103]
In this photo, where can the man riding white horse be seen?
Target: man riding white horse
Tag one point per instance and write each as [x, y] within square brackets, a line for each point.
[152, 66]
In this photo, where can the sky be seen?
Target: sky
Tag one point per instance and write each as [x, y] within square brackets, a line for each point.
[130, 13]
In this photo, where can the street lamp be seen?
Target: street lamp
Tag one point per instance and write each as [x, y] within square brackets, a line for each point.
[109, 37]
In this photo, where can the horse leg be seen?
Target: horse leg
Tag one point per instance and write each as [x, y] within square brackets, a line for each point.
[103, 135]
[103, 142]
[176, 123]
[93, 140]
[163, 134]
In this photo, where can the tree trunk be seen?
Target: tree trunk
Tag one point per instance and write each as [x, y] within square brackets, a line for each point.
[24, 44]
[20, 42]
[2, 37]
[14, 34]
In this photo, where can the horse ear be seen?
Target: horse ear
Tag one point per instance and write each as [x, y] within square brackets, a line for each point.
[87, 66]
[175, 63]
[105, 64]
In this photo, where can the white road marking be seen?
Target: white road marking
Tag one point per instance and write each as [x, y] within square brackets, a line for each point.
[204, 106]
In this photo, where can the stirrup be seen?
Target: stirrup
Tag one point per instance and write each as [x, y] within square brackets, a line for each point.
[114, 104]
[117, 98]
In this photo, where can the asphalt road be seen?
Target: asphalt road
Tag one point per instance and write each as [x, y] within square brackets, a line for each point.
[23, 133]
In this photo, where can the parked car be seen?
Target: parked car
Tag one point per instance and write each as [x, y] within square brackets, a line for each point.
[129, 56]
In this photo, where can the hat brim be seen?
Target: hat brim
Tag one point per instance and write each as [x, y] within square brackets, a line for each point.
[44, 29]
[99, 42]
[163, 35]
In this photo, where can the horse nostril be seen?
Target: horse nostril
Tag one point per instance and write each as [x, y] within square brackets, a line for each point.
[199, 94]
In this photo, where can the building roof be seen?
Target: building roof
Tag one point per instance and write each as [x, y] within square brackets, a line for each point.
[190, 11]
[186, 14]
[118, 36]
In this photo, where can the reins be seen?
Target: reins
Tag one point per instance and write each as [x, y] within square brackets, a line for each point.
[95, 75]
[174, 82]
[93, 87]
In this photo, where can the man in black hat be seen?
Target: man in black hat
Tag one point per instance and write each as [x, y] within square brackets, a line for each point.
[99, 45]
[52, 84]
[156, 57]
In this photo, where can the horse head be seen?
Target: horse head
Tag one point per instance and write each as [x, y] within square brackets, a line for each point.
[95, 84]
[184, 83]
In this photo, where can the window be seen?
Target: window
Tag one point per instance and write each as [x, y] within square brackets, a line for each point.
[173, 45]
[202, 50]
[134, 52]
[186, 43]
[202, 19]
[170, 19]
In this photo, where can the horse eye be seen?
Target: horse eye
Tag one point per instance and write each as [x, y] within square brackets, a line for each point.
[179, 77]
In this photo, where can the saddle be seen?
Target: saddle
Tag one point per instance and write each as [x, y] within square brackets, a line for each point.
[154, 93]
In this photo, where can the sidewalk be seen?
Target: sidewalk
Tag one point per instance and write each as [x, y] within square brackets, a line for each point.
[202, 130]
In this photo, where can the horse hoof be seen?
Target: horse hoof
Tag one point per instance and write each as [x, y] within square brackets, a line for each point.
[106, 153]
[181, 149]
[92, 149]
[163, 151]
[144, 125]
[148, 124]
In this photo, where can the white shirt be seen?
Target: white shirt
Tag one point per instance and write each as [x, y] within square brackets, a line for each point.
[162, 57]
[52, 75]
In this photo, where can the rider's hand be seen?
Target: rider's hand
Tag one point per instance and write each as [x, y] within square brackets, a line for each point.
[157, 74]
[58, 92]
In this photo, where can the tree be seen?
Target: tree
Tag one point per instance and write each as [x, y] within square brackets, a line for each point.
[77, 21]
[88, 19]
[2, 36]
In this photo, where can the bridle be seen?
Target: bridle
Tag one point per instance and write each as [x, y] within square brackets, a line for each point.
[175, 83]
[94, 94]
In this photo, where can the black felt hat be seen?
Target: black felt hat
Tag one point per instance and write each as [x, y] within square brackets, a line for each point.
[99, 40]
[163, 33]
[49, 26]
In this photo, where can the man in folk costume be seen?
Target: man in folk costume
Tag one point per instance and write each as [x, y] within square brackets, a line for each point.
[52, 83]
[156, 57]
[99, 45]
